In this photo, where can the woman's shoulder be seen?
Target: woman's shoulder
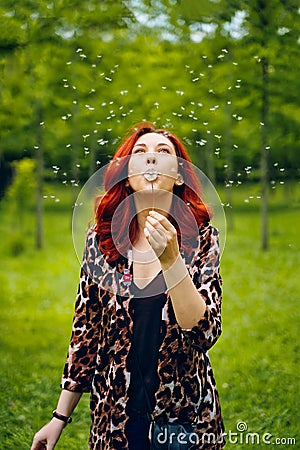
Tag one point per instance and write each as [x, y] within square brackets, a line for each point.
[208, 231]
[91, 234]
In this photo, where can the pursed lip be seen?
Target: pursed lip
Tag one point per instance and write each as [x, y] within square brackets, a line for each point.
[151, 174]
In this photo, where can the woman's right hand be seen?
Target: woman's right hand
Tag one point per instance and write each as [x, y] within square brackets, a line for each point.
[47, 437]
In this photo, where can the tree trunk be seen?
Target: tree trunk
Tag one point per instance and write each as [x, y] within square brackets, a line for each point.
[40, 178]
[264, 154]
[210, 164]
[229, 161]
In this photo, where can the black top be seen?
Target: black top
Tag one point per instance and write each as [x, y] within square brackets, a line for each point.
[146, 309]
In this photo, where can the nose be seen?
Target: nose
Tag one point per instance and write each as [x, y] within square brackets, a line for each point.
[151, 159]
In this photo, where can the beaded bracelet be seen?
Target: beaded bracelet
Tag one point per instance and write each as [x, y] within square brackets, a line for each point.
[61, 417]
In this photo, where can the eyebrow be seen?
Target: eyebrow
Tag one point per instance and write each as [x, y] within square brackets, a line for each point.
[158, 145]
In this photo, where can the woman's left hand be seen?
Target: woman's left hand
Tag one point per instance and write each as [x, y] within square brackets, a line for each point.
[162, 236]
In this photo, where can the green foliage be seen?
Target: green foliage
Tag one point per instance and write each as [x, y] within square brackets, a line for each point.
[97, 68]
[21, 190]
[19, 199]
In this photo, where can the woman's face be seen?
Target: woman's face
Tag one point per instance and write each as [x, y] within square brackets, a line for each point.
[153, 164]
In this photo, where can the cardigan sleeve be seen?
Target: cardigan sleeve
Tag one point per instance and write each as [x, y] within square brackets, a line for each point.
[204, 270]
[81, 359]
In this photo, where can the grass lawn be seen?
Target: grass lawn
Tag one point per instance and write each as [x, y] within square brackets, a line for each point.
[255, 361]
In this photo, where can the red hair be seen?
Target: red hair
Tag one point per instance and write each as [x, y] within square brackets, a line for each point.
[116, 191]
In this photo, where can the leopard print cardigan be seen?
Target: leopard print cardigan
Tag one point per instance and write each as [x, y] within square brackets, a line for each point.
[100, 344]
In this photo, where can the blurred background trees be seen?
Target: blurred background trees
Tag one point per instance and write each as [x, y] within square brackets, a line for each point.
[75, 76]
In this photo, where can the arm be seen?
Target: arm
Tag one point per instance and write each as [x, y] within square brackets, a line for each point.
[196, 298]
[187, 302]
[81, 359]
[48, 436]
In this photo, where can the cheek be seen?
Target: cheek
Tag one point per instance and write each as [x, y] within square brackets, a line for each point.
[136, 165]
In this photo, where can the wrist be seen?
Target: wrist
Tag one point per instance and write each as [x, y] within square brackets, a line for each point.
[63, 419]
[175, 272]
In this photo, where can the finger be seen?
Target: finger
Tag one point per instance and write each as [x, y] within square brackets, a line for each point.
[156, 239]
[162, 220]
[156, 224]
[154, 231]
[37, 444]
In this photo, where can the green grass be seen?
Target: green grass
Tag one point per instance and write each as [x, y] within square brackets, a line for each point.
[255, 361]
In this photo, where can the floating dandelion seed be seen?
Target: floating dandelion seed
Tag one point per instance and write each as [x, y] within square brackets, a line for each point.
[202, 142]
[68, 63]
[108, 79]
[164, 87]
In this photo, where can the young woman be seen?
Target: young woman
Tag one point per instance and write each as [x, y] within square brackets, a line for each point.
[148, 304]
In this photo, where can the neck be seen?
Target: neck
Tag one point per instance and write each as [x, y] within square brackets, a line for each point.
[145, 201]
